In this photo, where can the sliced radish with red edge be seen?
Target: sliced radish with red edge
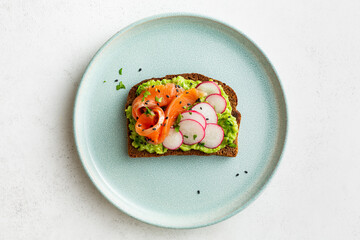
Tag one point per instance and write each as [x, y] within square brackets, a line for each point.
[214, 135]
[209, 87]
[207, 110]
[192, 131]
[173, 140]
[195, 116]
[217, 101]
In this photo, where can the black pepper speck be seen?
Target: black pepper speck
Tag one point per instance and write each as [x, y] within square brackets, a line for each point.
[139, 70]
[198, 191]
[245, 172]
[167, 96]
[154, 129]
[237, 175]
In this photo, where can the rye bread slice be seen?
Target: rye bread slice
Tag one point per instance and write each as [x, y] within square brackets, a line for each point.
[226, 151]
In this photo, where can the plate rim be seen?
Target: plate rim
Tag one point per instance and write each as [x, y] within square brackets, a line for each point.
[90, 171]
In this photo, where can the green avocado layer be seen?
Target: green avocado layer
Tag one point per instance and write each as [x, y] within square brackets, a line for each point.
[225, 120]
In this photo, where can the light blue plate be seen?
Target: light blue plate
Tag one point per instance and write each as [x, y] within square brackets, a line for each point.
[164, 191]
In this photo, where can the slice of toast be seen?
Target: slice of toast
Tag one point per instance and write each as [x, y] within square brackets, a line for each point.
[226, 151]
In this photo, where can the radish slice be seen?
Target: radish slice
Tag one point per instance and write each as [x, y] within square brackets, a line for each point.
[195, 116]
[207, 110]
[214, 135]
[209, 87]
[173, 140]
[192, 131]
[217, 101]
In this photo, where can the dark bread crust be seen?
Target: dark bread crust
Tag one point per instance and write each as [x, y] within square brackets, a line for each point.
[226, 151]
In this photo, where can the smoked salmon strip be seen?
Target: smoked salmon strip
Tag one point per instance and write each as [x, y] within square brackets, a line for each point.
[151, 120]
[162, 93]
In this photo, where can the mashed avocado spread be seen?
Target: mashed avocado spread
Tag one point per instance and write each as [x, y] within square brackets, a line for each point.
[225, 120]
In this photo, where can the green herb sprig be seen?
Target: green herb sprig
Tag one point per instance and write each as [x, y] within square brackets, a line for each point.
[120, 86]
[146, 94]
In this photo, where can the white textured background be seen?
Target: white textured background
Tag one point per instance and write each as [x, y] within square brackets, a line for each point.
[44, 49]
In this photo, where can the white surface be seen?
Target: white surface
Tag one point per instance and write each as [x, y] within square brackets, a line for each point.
[44, 49]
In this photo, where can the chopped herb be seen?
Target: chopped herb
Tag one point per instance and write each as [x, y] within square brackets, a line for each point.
[178, 119]
[186, 136]
[195, 136]
[120, 86]
[158, 99]
[201, 144]
[190, 113]
[120, 71]
[149, 112]
[146, 94]
[177, 128]
[184, 107]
